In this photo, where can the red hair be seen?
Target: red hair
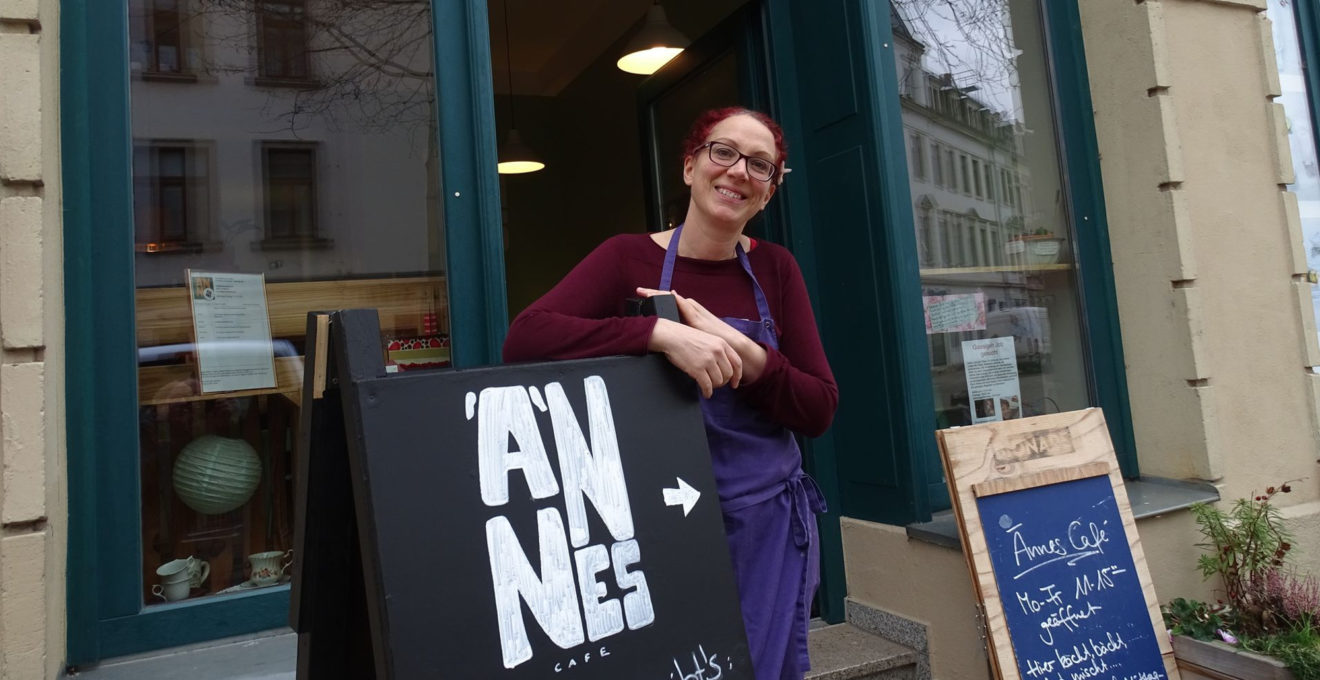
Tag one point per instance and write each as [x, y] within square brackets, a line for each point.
[707, 121]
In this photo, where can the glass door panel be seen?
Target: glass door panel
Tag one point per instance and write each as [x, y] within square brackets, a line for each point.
[285, 153]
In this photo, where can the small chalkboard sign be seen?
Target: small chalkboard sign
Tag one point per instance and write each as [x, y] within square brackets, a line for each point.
[552, 520]
[1053, 550]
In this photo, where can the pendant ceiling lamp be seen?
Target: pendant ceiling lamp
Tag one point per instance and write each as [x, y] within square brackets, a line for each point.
[654, 45]
[515, 157]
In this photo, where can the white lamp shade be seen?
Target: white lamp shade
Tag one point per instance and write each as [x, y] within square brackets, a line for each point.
[653, 46]
[516, 158]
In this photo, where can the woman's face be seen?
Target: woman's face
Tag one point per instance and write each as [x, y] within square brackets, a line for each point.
[730, 195]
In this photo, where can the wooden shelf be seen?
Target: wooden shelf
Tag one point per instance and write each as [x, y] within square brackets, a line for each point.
[164, 315]
[178, 384]
[998, 269]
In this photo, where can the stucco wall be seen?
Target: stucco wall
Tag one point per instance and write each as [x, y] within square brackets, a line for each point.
[1218, 328]
[32, 515]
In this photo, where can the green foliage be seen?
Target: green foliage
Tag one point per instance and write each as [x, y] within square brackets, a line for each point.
[1194, 619]
[1271, 609]
[1243, 544]
[1298, 648]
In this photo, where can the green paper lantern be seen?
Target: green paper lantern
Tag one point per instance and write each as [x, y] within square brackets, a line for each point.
[214, 474]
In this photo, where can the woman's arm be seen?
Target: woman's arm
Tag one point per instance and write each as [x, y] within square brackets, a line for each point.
[582, 316]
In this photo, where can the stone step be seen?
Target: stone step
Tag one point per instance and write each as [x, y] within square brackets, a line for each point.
[846, 652]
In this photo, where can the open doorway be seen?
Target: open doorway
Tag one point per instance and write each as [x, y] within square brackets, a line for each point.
[610, 139]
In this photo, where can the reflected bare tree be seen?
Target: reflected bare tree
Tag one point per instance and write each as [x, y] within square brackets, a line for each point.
[971, 40]
[369, 61]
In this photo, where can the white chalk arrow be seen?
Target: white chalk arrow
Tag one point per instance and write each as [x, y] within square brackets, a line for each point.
[684, 495]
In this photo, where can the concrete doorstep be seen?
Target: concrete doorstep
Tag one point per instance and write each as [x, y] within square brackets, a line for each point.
[838, 652]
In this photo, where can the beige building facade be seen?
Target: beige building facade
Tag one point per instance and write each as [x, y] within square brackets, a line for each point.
[32, 507]
[1209, 262]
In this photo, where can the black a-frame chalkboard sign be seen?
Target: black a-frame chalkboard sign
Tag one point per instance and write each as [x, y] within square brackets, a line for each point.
[552, 520]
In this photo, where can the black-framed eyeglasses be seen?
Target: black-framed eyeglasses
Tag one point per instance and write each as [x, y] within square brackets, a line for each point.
[727, 156]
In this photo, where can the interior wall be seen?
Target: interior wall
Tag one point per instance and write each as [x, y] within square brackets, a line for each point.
[593, 184]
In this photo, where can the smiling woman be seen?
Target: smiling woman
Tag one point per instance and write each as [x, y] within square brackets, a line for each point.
[748, 340]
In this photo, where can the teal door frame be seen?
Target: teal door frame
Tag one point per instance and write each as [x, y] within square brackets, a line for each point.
[104, 605]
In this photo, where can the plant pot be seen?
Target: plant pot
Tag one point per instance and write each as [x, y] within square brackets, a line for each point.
[1212, 660]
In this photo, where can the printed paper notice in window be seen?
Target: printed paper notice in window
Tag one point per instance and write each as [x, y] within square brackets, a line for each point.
[232, 329]
[992, 379]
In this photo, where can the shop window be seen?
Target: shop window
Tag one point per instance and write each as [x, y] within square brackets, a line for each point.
[1008, 282]
[282, 40]
[217, 418]
[289, 186]
[171, 196]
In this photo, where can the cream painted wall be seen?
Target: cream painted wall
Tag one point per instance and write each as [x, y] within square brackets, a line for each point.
[920, 582]
[32, 491]
[1206, 258]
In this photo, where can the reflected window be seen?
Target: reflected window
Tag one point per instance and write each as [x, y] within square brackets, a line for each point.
[171, 195]
[282, 39]
[289, 173]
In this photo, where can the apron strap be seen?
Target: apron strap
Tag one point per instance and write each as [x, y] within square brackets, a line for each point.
[671, 256]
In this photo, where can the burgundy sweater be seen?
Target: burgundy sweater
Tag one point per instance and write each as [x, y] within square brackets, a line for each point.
[582, 317]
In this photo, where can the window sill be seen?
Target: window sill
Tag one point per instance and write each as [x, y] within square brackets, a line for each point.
[172, 248]
[287, 83]
[1148, 496]
[169, 77]
[297, 243]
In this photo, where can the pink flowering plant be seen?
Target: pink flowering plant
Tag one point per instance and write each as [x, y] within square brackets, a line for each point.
[1268, 607]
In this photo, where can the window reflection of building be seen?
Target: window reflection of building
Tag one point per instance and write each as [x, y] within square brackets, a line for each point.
[171, 195]
[967, 89]
[282, 39]
[289, 186]
[167, 37]
[244, 164]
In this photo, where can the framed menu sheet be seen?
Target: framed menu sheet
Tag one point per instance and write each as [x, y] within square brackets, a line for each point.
[231, 327]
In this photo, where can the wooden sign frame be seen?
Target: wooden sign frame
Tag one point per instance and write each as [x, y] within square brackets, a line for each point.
[1024, 454]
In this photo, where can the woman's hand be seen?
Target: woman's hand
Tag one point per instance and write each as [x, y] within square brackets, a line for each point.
[695, 315]
[706, 357]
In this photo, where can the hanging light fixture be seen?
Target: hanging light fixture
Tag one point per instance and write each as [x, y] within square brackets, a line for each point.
[515, 157]
[654, 45]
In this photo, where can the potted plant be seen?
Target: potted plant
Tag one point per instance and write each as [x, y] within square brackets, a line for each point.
[1268, 624]
[1040, 247]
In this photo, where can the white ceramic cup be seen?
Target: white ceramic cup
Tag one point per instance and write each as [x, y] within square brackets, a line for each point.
[269, 566]
[173, 571]
[190, 569]
[173, 591]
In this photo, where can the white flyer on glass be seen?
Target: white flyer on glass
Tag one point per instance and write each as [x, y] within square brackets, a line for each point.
[992, 379]
[232, 329]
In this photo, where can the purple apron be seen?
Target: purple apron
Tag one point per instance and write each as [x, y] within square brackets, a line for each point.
[769, 505]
